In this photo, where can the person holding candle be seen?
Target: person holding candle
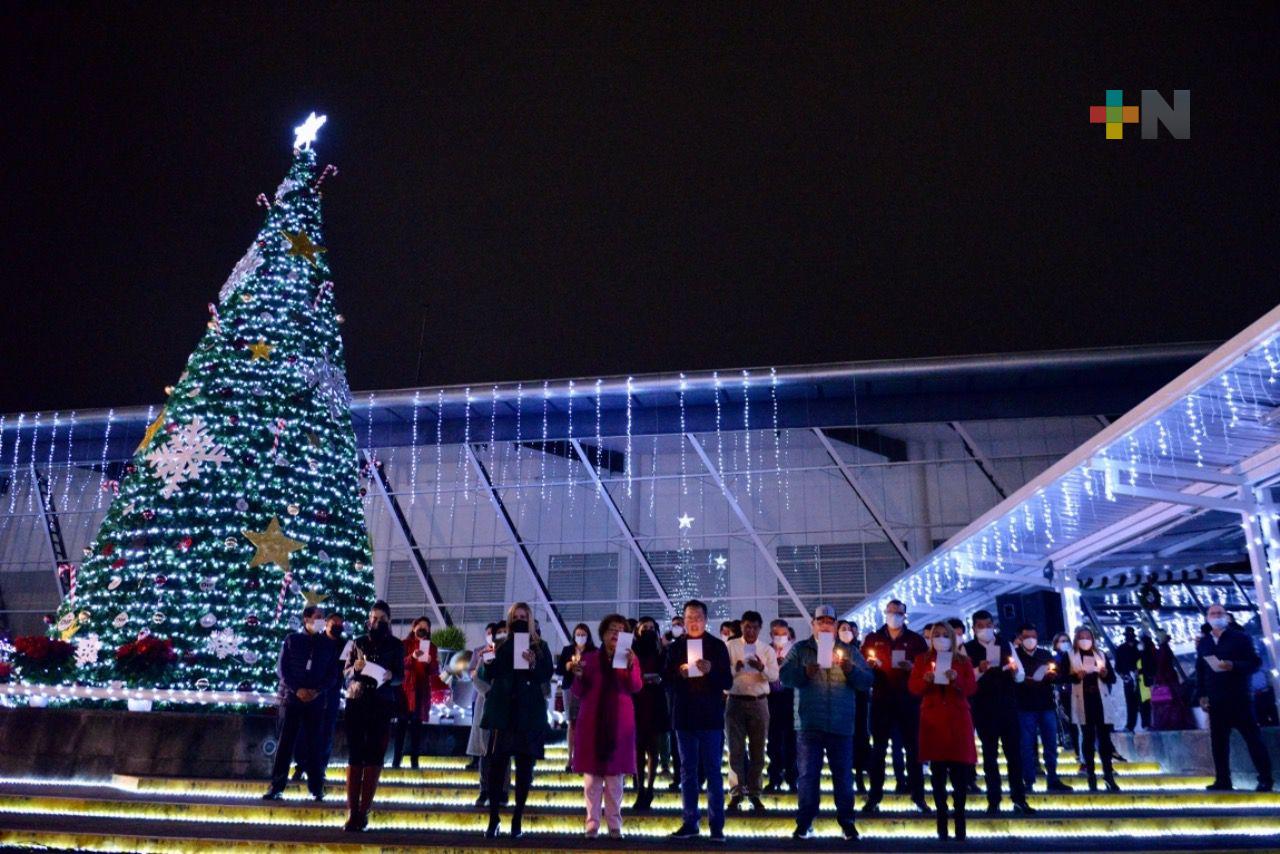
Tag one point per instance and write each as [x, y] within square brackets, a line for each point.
[696, 668]
[569, 658]
[1092, 680]
[781, 747]
[847, 632]
[891, 652]
[421, 663]
[1037, 714]
[944, 680]
[515, 712]
[995, 711]
[606, 731]
[1068, 732]
[825, 673]
[755, 665]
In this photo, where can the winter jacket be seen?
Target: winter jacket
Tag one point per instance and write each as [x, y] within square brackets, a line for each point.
[517, 699]
[826, 703]
[306, 661]
[697, 703]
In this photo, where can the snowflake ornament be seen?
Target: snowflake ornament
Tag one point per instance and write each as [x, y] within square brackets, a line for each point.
[330, 384]
[287, 186]
[87, 649]
[224, 643]
[182, 457]
[245, 267]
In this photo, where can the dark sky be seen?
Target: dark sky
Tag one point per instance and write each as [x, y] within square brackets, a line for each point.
[631, 188]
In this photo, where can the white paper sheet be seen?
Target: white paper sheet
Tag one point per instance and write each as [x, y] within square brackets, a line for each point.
[1038, 676]
[693, 651]
[489, 655]
[993, 655]
[1214, 663]
[423, 652]
[826, 645]
[620, 651]
[940, 668]
[899, 656]
[521, 641]
[373, 671]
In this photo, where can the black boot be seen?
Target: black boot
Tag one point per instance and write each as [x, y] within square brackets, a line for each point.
[517, 820]
[960, 828]
[942, 822]
[1093, 780]
[491, 832]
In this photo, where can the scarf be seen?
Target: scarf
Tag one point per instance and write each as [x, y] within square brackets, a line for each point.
[606, 741]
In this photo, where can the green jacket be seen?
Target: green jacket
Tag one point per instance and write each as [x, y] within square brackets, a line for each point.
[517, 699]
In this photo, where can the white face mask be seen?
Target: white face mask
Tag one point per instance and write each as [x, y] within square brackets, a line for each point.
[488, 637]
[846, 636]
[1086, 644]
[780, 641]
[1065, 646]
[942, 644]
[317, 626]
[894, 621]
[1029, 644]
[986, 635]
[677, 631]
[1219, 623]
[580, 639]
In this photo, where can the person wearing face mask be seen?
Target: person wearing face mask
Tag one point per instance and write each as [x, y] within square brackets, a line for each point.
[569, 658]
[747, 716]
[1037, 713]
[995, 711]
[333, 633]
[515, 713]
[676, 630]
[421, 668]
[847, 632]
[1225, 659]
[650, 711]
[374, 670]
[1092, 678]
[944, 680]
[781, 746]
[478, 741]
[1068, 731]
[306, 667]
[891, 651]
[670, 746]
[825, 709]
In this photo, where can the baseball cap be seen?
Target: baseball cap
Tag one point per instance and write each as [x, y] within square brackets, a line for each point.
[824, 611]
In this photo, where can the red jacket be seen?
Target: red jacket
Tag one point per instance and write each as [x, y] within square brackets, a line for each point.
[420, 678]
[946, 726]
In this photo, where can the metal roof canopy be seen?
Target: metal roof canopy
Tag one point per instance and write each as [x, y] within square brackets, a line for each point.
[1015, 385]
[1207, 441]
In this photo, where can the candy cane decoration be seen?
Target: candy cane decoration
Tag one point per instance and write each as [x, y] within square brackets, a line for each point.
[276, 430]
[263, 201]
[328, 170]
[324, 289]
[284, 589]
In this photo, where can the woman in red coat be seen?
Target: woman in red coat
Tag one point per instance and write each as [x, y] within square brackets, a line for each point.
[421, 670]
[944, 681]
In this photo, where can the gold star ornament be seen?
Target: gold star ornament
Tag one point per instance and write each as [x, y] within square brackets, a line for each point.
[261, 350]
[152, 430]
[300, 244]
[313, 596]
[272, 545]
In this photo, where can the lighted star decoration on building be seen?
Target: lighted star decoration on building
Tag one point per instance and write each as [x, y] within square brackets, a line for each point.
[305, 133]
[272, 545]
[261, 350]
[721, 561]
[686, 521]
[300, 245]
[313, 596]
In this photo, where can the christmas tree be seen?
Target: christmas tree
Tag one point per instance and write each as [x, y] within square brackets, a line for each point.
[242, 503]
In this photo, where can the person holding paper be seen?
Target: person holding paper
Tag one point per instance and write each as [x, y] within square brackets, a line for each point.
[782, 717]
[1037, 713]
[565, 664]
[995, 711]
[891, 651]
[477, 741]
[1092, 680]
[697, 670]
[825, 673]
[1225, 659]
[421, 668]
[306, 669]
[944, 680]
[374, 670]
[604, 682]
[754, 665]
[515, 712]
[652, 720]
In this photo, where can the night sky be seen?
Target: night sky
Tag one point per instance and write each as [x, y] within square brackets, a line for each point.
[631, 188]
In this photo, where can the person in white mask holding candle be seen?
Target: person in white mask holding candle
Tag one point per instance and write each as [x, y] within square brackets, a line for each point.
[944, 680]
[1037, 713]
[891, 651]
[995, 711]
[754, 665]
[782, 717]
[1092, 680]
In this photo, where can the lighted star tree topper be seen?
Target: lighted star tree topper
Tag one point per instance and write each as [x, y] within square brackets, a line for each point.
[242, 504]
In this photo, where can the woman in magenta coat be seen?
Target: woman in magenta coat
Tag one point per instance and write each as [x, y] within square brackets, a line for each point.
[946, 725]
[604, 740]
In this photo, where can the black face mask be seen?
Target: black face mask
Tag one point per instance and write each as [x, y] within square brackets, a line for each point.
[335, 631]
[379, 629]
[520, 626]
[422, 633]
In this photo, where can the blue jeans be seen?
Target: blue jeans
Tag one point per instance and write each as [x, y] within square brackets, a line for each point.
[1044, 724]
[701, 751]
[839, 750]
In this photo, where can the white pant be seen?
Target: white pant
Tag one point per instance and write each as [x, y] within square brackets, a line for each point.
[593, 786]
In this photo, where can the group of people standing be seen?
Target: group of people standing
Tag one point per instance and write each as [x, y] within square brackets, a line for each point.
[639, 696]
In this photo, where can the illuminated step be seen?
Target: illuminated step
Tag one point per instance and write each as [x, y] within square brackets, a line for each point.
[1171, 792]
[1083, 822]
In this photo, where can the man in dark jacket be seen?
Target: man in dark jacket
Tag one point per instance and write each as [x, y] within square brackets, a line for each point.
[826, 708]
[1037, 709]
[334, 628]
[995, 710]
[307, 668]
[1127, 670]
[1225, 659]
[782, 718]
[698, 687]
[890, 651]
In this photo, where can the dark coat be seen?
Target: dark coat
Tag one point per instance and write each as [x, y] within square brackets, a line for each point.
[306, 661]
[1036, 696]
[1232, 686]
[517, 699]
[698, 703]
[387, 653]
[890, 685]
[996, 699]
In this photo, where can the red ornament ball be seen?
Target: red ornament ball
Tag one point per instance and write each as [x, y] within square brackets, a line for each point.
[118, 564]
[251, 620]
[161, 581]
[184, 543]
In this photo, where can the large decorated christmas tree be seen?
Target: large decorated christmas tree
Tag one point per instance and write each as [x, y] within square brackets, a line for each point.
[241, 504]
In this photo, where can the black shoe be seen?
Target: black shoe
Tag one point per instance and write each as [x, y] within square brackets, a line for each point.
[850, 832]
[673, 786]
[482, 800]
[1219, 786]
[317, 796]
[272, 795]
[1022, 808]
[870, 808]
[1093, 783]
[1116, 757]
[1056, 785]
[735, 805]
[772, 788]
[924, 808]
[802, 833]
[757, 807]
[685, 831]
[973, 788]
[297, 775]
[1265, 787]
[491, 832]
[994, 809]
[716, 837]
[517, 826]
[1111, 784]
